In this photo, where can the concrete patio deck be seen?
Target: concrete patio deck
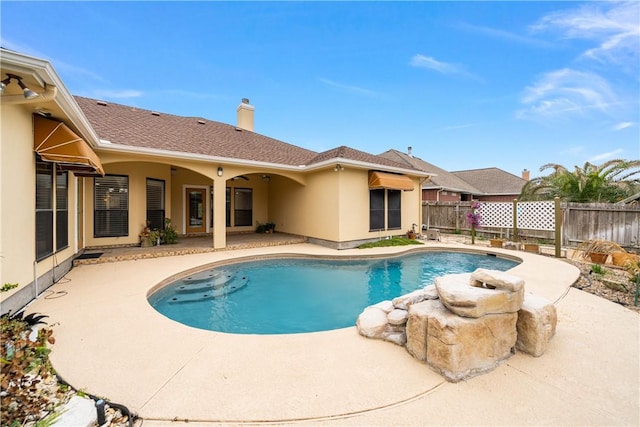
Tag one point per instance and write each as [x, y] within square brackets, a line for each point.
[110, 342]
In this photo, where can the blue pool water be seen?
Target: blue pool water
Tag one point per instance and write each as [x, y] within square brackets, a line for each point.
[284, 296]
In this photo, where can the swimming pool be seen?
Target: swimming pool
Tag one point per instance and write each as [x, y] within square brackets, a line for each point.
[294, 295]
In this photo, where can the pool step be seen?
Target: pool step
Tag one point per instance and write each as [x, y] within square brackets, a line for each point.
[209, 292]
[205, 277]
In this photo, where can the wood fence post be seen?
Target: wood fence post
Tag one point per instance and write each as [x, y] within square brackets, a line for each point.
[515, 220]
[558, 213]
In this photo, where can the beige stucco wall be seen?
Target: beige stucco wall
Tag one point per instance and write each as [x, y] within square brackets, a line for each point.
[138, 172]
[17, 201]
[333, 206]
[17, 196]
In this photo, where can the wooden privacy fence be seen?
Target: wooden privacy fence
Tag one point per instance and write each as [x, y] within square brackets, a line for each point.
[536, 221]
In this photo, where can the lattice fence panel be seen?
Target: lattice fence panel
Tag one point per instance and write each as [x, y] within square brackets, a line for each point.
[536, 215]
[497, 214]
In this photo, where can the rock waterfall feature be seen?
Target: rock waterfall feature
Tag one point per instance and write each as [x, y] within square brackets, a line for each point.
[465, 325]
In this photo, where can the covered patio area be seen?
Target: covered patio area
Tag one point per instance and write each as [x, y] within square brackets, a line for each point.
[185, 246]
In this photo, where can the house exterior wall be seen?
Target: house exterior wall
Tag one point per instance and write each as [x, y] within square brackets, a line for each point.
[17, 214]
[138, 172]
[443, 196]
[17, 197]
[308, 210]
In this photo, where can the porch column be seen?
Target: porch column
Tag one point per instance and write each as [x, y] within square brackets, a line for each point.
[219, 212]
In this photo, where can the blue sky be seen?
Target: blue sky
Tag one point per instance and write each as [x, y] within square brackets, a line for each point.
[468, 85]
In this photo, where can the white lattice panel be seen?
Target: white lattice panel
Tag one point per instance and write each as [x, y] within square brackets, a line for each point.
[497, 214]
[536, 215]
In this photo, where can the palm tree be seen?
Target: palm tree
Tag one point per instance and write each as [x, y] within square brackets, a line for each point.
[610, 182]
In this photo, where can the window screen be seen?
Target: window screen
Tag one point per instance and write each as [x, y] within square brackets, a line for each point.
[376, 210]
[393, 209]
[155, 203]
[111, 203]
[62, 210]
[243, 207]
[44, 209]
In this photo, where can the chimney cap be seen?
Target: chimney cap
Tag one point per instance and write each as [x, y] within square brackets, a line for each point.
[245, 100]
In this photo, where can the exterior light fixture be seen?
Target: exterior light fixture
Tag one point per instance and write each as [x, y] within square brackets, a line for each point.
[220, 171]
[28, 93]
[266, 178]
[338, 168]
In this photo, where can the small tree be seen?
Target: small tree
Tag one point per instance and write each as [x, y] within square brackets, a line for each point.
[608, 183]
[474, 218]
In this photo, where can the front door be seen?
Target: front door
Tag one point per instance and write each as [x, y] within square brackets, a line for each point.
[196, 220]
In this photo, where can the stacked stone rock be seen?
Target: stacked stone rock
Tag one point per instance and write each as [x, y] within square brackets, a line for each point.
[465, 325]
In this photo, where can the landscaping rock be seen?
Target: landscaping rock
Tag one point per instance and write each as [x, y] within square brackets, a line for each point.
[398, 317]
[536, 325]
[496, 279]
[461, 298]
[460, 347]
[386, 306]
[405, 301]
[372, 322]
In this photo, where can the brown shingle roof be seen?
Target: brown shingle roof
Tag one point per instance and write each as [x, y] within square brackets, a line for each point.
[443, 178]
[357, 155]
[131, 126]
[492, 181]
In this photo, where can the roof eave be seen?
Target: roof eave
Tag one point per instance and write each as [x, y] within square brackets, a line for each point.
[109, 146]
[43, 71]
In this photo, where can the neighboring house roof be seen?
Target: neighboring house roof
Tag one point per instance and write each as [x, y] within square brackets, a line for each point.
[442, 179]
[488, 181]
[492, 181]
[139, 128]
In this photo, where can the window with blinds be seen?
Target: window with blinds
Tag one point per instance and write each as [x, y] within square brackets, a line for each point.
[111, 206]
[155, 203]
[44, 209]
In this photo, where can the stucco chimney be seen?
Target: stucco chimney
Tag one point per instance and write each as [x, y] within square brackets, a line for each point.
[245, 115]
[526, 175]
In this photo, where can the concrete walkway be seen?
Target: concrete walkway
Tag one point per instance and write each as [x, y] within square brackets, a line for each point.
[110, 342]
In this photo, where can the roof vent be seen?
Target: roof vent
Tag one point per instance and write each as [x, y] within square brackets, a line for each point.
[202, 122]
[104, 104]
[238, 129]
[155, 113]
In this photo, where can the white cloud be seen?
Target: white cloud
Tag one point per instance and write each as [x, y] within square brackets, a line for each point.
[349, 88]
[613, 27]
[506, 35]
[622, 125]
[59, 65]
[422, 61]
[567, 93]
[605, 156]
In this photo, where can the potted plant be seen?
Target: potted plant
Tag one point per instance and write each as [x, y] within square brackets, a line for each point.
[496, 243]
[169, 234]
[145, 236]
[597, 250]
